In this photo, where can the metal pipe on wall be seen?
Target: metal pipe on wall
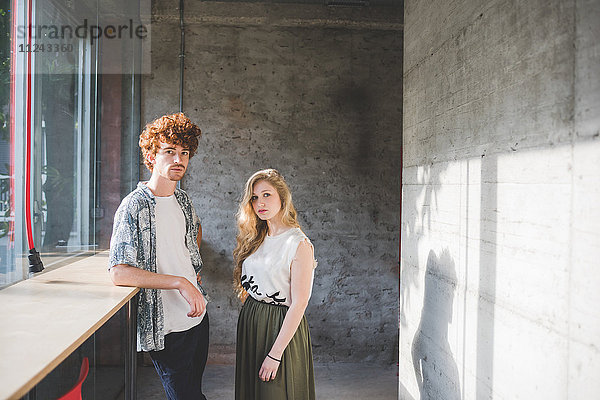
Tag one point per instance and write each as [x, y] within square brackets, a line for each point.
[181, 55]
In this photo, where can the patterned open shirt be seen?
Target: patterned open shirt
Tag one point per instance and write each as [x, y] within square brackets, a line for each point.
[133, 242]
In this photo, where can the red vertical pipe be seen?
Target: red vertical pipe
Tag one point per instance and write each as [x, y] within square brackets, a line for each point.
[28, 131]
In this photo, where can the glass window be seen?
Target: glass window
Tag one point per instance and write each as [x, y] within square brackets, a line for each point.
[81, 97]
[11, 145]
[84, 99]
[64, 125]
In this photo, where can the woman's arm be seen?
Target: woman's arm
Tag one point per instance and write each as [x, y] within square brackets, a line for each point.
[301, 285]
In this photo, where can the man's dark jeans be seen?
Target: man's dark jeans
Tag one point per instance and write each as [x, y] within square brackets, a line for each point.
[181, 364]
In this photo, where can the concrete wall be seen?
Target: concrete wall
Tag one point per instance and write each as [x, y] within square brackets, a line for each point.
[316, 93]
[501, 200]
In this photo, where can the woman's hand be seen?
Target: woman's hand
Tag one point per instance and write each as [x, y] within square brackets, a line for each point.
[268, 370]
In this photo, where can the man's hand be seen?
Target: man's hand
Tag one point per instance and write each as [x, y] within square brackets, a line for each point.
[195, 299]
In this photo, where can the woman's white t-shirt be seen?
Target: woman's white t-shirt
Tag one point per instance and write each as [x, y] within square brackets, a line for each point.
[173, 258]
[266, 272]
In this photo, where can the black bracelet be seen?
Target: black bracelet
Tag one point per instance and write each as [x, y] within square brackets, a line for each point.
[273, 358]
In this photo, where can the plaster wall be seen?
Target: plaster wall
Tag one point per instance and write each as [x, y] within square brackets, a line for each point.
[316, 93]
[500, 211]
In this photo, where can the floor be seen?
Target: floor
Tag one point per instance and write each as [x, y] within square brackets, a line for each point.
[334, 381]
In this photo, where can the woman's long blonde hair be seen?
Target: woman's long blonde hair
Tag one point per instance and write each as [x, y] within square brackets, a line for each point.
[251, 229]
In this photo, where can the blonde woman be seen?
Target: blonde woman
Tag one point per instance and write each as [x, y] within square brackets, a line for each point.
[273, 275]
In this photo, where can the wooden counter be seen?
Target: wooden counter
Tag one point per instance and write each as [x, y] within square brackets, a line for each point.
[45, 318]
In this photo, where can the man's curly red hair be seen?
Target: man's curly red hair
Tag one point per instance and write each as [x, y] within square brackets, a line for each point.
[174, 129]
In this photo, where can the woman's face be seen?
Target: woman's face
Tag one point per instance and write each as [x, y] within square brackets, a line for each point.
[265, 200]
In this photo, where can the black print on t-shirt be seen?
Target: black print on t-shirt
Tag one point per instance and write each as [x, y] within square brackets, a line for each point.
[274, 299]
[249, 287]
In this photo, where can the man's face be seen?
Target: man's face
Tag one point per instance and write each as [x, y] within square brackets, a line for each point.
[170, 161]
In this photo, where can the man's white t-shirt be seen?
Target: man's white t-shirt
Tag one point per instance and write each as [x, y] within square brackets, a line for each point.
[173, 258]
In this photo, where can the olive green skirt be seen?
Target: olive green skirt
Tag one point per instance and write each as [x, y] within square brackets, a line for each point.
[258, 326]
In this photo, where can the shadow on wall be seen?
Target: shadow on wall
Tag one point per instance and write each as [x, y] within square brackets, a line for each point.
[419, 196]
[354, 102]
[435, 368]
[212, 257]
[422, 188]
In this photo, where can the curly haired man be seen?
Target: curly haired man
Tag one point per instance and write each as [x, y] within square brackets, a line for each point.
[155, 246]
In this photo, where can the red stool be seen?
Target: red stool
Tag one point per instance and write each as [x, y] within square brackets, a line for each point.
[75, 392]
